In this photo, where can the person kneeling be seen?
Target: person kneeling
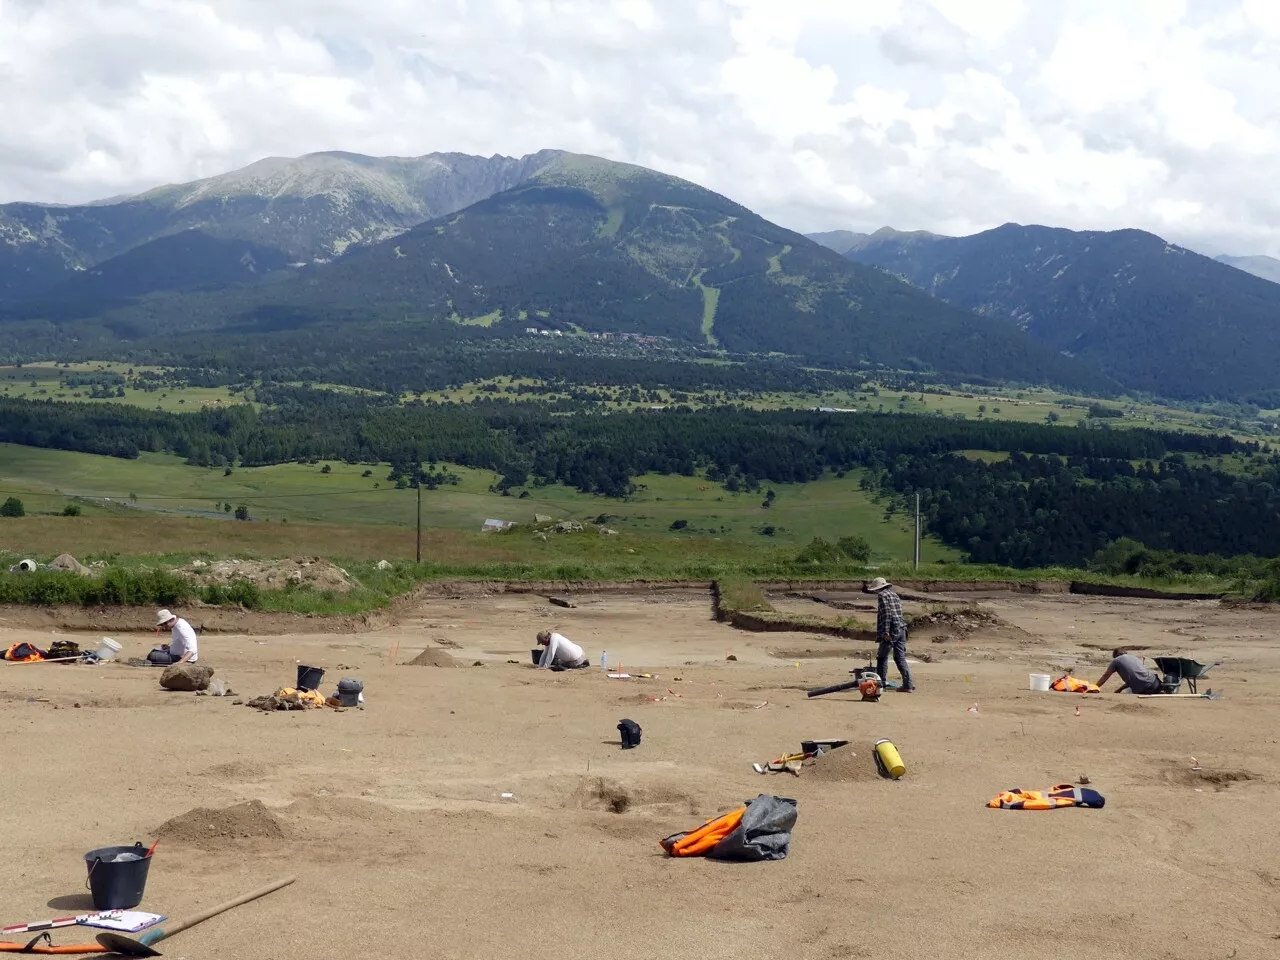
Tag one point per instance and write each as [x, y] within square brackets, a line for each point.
[1137, 678]
[561, 652]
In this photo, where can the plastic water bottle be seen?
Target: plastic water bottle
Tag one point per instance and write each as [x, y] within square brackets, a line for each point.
[604, 661]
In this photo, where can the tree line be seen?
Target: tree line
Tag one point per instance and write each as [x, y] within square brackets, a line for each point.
[1060, 496]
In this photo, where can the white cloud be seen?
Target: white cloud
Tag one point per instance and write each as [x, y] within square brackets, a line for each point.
[951, 115]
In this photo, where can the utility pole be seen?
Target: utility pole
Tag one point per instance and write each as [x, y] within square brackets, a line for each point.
[418, 554]
[917, 557]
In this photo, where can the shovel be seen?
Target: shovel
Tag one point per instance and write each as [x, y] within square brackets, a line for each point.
[141, 947]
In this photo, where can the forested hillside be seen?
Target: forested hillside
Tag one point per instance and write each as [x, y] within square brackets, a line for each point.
[590, 245]
[1063, 495]
[1154, 316]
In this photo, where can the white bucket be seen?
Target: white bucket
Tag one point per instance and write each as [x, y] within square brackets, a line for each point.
[107, 649]
[1040, 681]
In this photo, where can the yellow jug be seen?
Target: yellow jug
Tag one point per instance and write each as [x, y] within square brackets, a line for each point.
[890, 760]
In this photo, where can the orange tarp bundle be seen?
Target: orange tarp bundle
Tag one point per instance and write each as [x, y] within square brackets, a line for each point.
[306, 696]
[703, 840]
[1069, 684]
[23, 653]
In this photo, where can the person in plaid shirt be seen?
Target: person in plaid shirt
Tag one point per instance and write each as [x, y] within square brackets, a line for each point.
[891, 631]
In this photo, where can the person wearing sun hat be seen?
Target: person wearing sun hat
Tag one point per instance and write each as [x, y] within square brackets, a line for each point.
[891, 631]
[183, 646]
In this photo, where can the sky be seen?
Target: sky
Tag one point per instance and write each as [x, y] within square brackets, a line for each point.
[946, 115]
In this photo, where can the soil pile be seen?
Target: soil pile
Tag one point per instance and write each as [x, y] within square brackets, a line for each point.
[69, 564]
[431, 657]
[244, 821]
[843, 765]
[313, 572]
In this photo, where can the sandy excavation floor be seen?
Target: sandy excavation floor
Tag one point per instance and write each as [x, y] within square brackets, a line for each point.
[394, 821]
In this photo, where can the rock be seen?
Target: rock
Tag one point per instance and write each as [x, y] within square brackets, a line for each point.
[186, 676]
[218, 688]
[70, 564]
[608, 532]
[199, 564]
[541, 518]
[561, 602]
[568, 526]
[540, 536]
[383, 565]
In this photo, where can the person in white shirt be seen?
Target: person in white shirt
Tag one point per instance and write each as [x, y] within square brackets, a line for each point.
[560, 652]
[183, 646]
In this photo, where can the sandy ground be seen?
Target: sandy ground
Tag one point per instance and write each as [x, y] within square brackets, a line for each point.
[393, 817]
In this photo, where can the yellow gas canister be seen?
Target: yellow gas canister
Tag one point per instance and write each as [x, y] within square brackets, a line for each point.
[890, 760]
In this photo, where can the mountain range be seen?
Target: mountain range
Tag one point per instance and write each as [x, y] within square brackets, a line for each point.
[489, 246]
[309, 208]
[1152, 315]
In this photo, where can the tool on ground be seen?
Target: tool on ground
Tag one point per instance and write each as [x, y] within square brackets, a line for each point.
[782, 764]
[142, 946]
[33, 946]
[41, 925]
[866, 681]
[1207, 695]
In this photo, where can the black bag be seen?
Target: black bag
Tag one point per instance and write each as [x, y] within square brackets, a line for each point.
[630, 731]
[64, 649]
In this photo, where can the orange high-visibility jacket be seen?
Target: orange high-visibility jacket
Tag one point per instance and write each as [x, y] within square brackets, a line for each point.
[1069, 684]
[702, 841]
[1062, 795]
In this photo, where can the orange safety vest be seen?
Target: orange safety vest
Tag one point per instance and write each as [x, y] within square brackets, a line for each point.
[1062, 795]
[1069, 684]
[27, 653]
[702, 841]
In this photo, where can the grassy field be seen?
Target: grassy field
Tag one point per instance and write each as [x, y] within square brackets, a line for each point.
[157, 485]
[1028, 405]
[44, 382]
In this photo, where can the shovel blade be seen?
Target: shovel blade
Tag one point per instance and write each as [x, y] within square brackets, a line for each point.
[126, 946]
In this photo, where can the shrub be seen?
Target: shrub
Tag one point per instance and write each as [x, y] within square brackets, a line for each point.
[854, 548]
[71, 510]
[12, 508]
[243, 593]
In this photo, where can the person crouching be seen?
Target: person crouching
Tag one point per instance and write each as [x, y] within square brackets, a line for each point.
[183, 645]
[561, 652]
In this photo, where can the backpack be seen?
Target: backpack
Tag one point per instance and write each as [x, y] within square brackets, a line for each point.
[630, 731]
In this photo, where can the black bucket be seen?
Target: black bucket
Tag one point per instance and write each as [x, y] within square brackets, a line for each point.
[536, 654]
[117, 886]
[309, 677]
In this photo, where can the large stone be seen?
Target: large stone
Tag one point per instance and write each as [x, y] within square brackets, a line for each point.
[186, 676]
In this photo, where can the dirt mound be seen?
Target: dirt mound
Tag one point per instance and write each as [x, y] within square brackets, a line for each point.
[69, 564]
[601, 793]
[239, 770]
[244, 821]
[431, 657]
[963, 620]
[1185, 775]
[313, 572]
[843, 765]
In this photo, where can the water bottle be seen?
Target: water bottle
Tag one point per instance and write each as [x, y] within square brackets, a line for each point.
[604, 661]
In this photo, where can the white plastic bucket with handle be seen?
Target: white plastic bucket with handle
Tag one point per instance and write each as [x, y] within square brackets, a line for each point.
[1040, 682]
[107, 649]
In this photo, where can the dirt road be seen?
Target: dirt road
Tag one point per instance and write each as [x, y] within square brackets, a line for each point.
[394, 816]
